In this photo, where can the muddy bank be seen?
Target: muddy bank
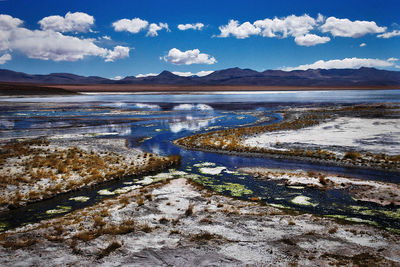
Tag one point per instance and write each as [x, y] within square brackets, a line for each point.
[37, 169]
[373, 191]
[286, 156]
[179, 223]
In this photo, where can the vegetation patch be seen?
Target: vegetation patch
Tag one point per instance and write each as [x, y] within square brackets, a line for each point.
[80, 199]
[232, 140]
[236, 190]
[36, 169]
[303, 201]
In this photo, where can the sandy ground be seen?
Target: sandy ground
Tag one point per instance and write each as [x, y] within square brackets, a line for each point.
[179, 224]
[373, 135]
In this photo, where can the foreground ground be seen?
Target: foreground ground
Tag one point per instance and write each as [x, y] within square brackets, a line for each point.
[176, 223]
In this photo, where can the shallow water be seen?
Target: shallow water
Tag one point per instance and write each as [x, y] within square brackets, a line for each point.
[164, 118]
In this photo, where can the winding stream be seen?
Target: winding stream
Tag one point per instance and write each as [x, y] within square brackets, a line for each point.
[165, 118]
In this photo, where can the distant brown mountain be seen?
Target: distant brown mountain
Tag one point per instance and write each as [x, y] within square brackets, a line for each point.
[232, 76]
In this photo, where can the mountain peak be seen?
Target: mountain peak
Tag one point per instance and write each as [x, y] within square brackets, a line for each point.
[233, 76]
[166, 73]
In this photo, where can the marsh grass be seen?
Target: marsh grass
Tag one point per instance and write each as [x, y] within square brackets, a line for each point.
[204, 237]
[19, 243]
[231, 140]
[65, 170]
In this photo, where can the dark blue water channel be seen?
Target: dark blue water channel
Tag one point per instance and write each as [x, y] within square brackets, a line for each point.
[169, 117]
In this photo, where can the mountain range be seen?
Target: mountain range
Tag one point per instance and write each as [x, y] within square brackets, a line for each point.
[233, 76]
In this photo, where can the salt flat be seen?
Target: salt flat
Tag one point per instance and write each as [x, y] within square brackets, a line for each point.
[374, 135]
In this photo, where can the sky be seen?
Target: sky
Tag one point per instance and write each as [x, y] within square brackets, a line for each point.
[115, 39]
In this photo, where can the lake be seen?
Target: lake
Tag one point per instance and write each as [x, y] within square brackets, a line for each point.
[167, 117]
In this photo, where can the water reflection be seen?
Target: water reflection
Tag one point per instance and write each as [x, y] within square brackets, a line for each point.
[189, 123]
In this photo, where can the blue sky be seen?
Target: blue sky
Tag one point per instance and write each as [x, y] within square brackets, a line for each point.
[103, 39]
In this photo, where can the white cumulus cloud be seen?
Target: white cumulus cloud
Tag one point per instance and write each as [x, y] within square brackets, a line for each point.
[283, 27]
[7, 22]
[298, 27]
[363, 44]
[303, 28]
[119, 52]
[387, 35]
[154, 28]
[7, 25]
[195, 26]
[239, 31]
[178, 57]
[348, 28]
[72, 22]
[130, 25]
[188, 73]
[346, 63]
[4, 58]
[311, 40]
[49, 44]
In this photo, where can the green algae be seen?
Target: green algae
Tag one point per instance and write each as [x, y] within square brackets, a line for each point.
[358, 207]
[236, 190]
[295, 187]
[204, 164]
[105, 192]
[60, 209]
[393, 230]
[204, 180]
[175, 173]
[358, 220]
[303, 201]
[391, 214]
[212, 171]
[368, 212]
[3, 226]
[353, 219]
[279, 206]
[80, 199]
[126, 189]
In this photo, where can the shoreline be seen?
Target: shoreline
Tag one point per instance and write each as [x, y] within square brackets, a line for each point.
[287, 157]
[162, 88]
[22, 90]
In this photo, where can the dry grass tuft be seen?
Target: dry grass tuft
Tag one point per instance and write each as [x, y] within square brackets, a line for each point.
[189, 211]
[110, 248]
